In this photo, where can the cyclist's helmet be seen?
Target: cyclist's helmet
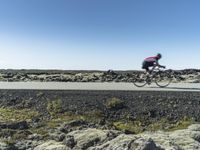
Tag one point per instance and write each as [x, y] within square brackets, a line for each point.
[159, 55]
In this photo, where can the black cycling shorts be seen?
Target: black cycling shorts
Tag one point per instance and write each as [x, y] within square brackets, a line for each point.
[146, 65]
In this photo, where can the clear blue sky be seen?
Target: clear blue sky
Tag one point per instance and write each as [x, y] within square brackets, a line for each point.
[98, 34]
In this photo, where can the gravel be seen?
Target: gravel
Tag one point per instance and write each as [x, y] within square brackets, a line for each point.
[149, 105]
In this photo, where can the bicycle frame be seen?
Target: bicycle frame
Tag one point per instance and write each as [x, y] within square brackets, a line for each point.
[155, 75]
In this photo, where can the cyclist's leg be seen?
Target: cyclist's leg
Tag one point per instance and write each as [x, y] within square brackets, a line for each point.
[145, 65]
[147, 73]
[140, 77]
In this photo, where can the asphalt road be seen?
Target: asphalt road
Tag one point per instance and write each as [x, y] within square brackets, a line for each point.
[97, 86]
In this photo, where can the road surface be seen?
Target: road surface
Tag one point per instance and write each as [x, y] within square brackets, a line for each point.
[97, 86]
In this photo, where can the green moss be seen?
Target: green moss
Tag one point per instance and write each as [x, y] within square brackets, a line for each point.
[134, 127]
[7, 133]
[166, 125]
[114, 103]
[10, 142]
[15, 135]
[1, 77]
[162, 124]
[20, 135]
[92, 116]
[182, 124]
[54, 107]
[39, 94]
[43, 131]
[60, 118]
[54, 122]
[10, 114]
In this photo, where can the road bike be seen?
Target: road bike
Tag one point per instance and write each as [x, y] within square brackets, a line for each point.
[161, 77]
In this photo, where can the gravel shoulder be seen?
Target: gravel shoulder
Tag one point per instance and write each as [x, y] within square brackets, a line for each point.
[152, 105]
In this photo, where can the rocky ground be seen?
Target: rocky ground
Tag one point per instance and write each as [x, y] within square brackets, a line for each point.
[99, 120]
[188, 75]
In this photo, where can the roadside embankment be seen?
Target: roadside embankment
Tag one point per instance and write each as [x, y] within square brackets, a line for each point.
[187, 75]
[39, 119]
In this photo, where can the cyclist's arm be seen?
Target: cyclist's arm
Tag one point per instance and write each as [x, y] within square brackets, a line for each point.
[157, 64]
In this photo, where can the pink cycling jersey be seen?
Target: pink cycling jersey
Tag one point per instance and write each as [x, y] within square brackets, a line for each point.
[151, 59]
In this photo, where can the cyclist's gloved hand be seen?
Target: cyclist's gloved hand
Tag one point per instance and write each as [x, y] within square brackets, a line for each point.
[164, 67]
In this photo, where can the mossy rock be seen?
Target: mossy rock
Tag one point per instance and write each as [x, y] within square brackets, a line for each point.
[5, 133]
[184, 123]
[132, 127]
[54, 107]
[43, 131]
[10, 114]
[166, 125]
[115, 103]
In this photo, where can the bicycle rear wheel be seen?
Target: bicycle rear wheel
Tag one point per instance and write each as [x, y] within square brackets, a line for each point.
[140, 80]
[163, 78]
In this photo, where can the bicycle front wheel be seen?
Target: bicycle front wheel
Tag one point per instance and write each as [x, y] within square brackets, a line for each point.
[163, 79]
[140, 80]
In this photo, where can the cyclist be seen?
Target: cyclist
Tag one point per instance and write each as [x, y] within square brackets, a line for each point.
[151, 62]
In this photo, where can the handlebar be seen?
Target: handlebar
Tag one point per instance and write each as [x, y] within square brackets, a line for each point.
[158, 68]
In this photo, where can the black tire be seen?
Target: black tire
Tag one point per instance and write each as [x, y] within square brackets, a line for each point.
[163, 78]
[140, 80]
